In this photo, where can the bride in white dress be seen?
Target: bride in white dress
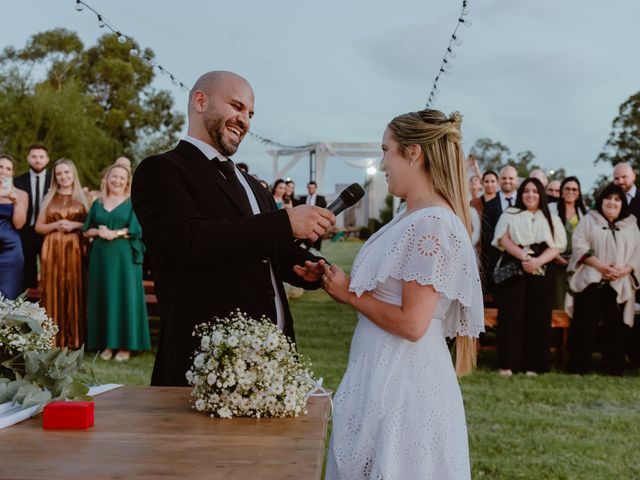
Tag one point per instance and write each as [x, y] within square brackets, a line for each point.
[398, 411]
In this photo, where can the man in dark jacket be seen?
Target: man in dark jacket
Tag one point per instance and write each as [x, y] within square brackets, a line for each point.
[216, 240]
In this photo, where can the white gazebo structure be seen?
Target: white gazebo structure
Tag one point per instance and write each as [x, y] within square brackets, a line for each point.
[318, 154]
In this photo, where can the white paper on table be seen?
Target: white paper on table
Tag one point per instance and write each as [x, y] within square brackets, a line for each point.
[11, 414]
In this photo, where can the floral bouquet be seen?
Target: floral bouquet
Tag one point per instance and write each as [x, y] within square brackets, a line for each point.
[24, 327]
[246, 367]
[32, 370]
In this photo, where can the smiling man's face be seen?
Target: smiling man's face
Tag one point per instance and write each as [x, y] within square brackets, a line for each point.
[228, 115]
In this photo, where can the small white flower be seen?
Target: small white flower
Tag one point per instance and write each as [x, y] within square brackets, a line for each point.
[200, 405]
[198, 362]
[224, 412]
[204, 342]
[211, 378]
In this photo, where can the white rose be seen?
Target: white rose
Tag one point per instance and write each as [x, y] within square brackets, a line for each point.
[211, 378]
[204, 342]
[232, 341]
[200, 405]
[189, 376]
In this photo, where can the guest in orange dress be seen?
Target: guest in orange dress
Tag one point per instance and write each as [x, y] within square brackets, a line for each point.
[61, 220]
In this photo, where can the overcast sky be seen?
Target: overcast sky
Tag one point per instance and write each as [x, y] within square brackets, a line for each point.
[545, 75]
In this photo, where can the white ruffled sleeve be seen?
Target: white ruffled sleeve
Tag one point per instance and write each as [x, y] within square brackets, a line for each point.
[432, 249]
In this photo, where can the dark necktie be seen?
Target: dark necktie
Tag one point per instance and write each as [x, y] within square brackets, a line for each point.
[228, 169]
[509, 201]
[36, 207]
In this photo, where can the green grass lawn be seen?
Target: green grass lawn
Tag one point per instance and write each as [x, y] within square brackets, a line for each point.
[554, 426]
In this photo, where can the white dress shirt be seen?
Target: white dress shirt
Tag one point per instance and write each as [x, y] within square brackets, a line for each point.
[32, 179]
[311, 199]
[504, 202]
[631, 194]
[211, 153]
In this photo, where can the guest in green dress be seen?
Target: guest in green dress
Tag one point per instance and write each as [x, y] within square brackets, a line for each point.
[116, 310]
[570, 208]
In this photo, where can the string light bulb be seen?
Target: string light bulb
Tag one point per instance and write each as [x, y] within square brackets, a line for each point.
[134, 52]
[79, 6]
[121, 38]
[101, 22]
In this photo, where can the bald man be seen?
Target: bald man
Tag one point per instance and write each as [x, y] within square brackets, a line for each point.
[506, 197]
[216, 240]
[625, 178]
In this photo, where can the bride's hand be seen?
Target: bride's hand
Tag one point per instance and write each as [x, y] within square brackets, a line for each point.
[336, 283]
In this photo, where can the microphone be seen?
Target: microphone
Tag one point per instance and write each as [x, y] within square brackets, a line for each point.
[347, 198]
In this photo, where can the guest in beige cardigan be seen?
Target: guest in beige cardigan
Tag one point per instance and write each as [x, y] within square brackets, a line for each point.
[604, 268]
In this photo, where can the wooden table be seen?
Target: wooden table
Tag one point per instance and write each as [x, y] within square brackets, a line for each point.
[153, 433]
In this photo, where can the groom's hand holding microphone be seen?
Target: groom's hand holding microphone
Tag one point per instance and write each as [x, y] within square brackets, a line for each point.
[309, 222]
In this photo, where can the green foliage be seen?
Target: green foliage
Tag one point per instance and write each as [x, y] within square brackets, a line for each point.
[88, 104]
[623, 144]
[38, 377]
[386, 212]
[492, 155]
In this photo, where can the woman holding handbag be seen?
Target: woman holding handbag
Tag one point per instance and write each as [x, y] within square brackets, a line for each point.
[530, 237]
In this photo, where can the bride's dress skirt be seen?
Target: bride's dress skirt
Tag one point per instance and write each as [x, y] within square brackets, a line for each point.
[398, 411]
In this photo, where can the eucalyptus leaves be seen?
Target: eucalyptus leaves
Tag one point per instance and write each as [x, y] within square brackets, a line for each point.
[32, 372]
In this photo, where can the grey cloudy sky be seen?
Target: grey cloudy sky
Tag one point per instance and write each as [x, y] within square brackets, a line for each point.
[545, 75]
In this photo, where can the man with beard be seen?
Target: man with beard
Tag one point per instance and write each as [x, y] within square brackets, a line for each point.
[36, 183]
[216, 240]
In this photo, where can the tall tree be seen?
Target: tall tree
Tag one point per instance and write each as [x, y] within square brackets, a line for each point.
[491, 155]
[90, 105]
[623, 144]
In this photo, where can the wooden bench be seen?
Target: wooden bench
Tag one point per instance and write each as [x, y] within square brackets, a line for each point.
[559, 319]
[150, 299]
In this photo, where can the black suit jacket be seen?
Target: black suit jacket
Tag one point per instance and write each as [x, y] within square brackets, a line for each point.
[320, 201]
[23, 182]
[208, 255]
[634, 206]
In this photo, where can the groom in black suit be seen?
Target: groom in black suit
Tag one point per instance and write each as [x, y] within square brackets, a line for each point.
[215, 238]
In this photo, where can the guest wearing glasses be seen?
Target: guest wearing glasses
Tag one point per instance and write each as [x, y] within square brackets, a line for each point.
[604, 264]
[570, 209]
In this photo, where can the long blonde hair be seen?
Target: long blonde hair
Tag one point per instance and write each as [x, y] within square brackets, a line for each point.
[104, 187]
[439, 139]
[77, 193]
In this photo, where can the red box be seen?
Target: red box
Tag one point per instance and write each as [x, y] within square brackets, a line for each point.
[68, 415]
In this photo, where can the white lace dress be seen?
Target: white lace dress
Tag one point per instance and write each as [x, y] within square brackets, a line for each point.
[398, 411]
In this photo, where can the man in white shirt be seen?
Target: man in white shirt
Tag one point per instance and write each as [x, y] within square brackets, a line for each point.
[625, 178]
[36, 183]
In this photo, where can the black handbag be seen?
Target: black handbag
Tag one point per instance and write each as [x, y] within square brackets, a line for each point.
[507, 268]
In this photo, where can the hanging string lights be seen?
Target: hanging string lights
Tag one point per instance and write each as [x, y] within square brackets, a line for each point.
[102, 22]
[454, 41]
